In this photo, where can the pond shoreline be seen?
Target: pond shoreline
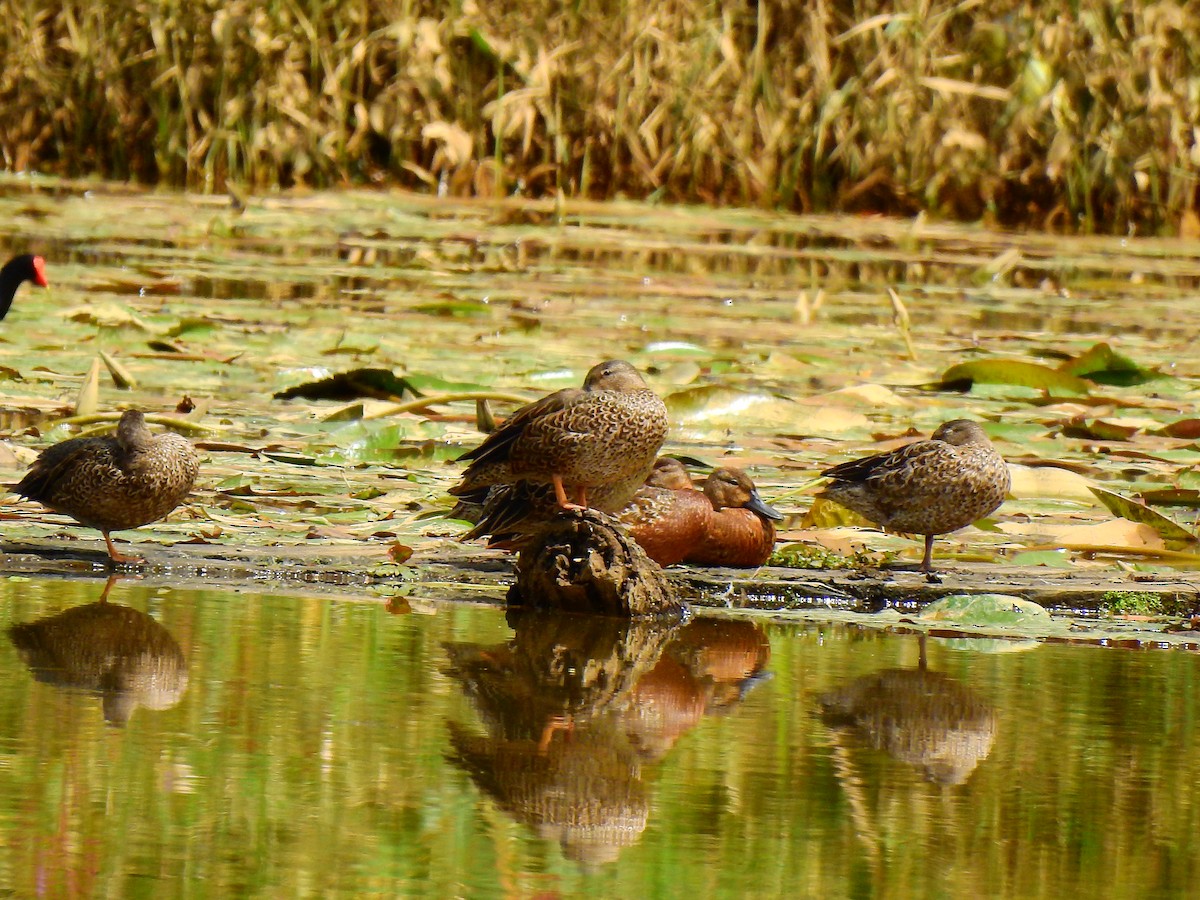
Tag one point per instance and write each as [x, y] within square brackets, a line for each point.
[447, 570]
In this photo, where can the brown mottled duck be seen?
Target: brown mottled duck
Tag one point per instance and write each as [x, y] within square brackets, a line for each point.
[114, 482]
[577, 440]
[928, 487]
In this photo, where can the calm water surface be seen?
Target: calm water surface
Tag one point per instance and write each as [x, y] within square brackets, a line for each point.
[176, 743]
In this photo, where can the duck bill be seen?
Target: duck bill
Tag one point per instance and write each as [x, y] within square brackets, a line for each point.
[756, 505]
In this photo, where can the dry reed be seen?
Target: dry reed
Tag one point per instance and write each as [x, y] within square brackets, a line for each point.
[1071, 114]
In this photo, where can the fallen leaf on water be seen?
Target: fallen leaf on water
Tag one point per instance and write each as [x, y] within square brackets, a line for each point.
[1098, 430]
[1049, 481]
[1113, 533]
[105, 315]
[870, 395]
[1184, 428]
[1128, 508]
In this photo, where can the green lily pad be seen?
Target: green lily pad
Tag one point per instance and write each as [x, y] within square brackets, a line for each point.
[985, 609]
[1057, 559]
[1015, 372]
[1104, 365]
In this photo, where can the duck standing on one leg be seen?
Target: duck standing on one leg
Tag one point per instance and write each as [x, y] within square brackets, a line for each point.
[114, 482]
[929, 487]
[577, 440]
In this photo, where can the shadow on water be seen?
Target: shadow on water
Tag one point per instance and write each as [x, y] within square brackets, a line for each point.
[118, 653]
[573, 707]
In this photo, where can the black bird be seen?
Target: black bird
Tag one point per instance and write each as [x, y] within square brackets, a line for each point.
[26, 267]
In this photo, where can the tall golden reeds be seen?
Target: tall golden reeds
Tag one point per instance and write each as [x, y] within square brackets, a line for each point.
[1079, 115]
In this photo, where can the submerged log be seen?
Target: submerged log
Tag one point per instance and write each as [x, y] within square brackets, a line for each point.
[583, 562]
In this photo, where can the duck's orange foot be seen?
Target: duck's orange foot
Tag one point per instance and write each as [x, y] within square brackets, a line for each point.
[564, 502]
[118, 557]
[555, 724]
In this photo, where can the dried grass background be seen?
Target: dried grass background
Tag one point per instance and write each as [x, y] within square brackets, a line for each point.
[1076, 115]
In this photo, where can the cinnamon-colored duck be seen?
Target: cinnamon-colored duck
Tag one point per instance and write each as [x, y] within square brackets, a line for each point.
[589, 443]
[726, 524]
[114, 482]
[741, 532]
[928, 487]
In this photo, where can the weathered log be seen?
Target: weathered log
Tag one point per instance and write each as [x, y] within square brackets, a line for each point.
[584, 562]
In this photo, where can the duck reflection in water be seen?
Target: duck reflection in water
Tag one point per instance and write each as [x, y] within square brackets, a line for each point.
[574, 706]
[120, 653]
[923, 718]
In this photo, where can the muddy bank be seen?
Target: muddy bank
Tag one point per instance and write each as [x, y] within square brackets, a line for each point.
[448, 570]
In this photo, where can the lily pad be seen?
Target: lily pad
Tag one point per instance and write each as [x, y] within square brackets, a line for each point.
[1015, 372]
[719, 406]
[1128, 508]
[1057, 559]
[1104, 365]
[985, 609]
[380, 383]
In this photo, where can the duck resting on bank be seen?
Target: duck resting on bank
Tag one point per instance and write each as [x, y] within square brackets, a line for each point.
[725, 524]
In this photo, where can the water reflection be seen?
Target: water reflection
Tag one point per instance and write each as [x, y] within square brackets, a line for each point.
[923, 718]
[573, 707]
[120, 653]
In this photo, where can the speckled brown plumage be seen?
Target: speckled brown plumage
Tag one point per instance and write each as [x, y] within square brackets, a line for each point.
[670, 473]
[511, 512]
[579, 439]
[114, 482]
[727, 524]
[929, 487]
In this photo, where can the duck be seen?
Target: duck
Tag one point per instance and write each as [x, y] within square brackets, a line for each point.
[741, 531]
[114, 482]
[26, 267]
[725, 524]
[670, 473]
[509, 514]
[928, 487]
[577, 440]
